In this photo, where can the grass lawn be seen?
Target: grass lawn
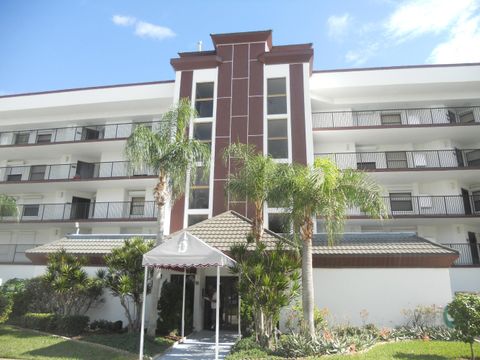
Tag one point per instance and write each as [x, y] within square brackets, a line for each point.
[18, 343]
[130, 342]
[405, 350]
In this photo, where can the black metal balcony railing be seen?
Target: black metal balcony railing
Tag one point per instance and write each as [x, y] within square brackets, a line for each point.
[85, 211]
[78, 171]
[418, 159]
[469, 254]
[399, 205]
[14, 253]
[70, 134]
[396, 117]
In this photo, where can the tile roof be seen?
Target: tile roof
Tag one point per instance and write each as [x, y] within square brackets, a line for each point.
[379, 243]
[229, 228]
[86, 244]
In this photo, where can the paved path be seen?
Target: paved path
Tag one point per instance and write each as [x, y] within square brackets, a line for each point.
[201, 345]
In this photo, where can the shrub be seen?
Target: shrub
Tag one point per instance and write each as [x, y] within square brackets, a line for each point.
[72, 325]
[247, 343]
[423, 316]
[465, 311]
[40, 321]
[106, 326]
[170, 309]
[5, 307]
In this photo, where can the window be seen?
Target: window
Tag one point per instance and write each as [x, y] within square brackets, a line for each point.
[401, 201]
[370, 165]
[390, 119]
[37, 172]
[203, 132]
[278, 138]
[194, 219]
[14, 177]
[137, 206]
[276, 96]
[22, 138]
[473, 157]
[204, 99]
[199, 190]
[278, 223]
[31, 210]
[396, 159]
[467, 117]
[476, 201]
[44, 138]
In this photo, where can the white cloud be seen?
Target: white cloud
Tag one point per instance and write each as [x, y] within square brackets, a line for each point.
[123, 20]
[338, 25]
[415, 18]
[359, 57]
[143, 28]
[463, 44]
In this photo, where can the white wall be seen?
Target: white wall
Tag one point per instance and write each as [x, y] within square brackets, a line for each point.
[384, 293]
[465, 279]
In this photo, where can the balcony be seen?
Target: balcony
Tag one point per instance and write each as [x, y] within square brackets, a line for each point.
[85, 211]
[69, 134]
[396, 118]
[69, 172]
[14, 253]
[469, 254]
[405, 205]
[406, 160]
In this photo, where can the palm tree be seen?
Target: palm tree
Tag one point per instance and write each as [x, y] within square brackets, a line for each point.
[325, 190]
[8, 206]
[173, 156]
[253, 180]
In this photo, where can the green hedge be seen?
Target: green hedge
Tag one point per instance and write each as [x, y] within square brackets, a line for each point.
[70, 325]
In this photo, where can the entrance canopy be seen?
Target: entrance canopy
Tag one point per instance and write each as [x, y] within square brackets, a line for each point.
[185, 250]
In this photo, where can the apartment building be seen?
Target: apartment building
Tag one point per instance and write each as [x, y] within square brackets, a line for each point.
[413, 128]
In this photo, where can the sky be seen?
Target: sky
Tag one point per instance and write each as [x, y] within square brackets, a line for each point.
[58, 44]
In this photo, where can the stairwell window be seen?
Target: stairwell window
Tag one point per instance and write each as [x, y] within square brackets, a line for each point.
[199, 190]
[202, 131]
[278, 138]
[204, 99]
[276, 96]
[37, 172]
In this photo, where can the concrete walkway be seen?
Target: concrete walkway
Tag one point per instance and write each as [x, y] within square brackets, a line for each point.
[201, 345]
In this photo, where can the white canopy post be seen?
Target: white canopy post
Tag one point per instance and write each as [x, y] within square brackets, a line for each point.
[217, 313]
[142, 328]
[183, 302]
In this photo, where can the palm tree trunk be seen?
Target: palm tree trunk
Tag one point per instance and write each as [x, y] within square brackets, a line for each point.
[160, 198]
[307, 276]
[258, 222]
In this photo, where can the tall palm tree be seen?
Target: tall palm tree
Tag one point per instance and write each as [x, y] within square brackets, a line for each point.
[8, 206]
[325, 190]
[253, 179]
[173, 156]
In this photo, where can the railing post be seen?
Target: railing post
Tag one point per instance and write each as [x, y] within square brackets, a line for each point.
[14, 253]
[445, 203]
[431, 116]
[418, 205]
[108, 208]
[49, 170]
[116, 131]
[43, 211]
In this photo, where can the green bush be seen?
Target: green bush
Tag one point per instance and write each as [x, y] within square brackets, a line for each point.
[40, 321]
[252, 354]
[5, 307]
[72, 325]
[106, 326]
[170, 309]
[465, 311]
[247, 343]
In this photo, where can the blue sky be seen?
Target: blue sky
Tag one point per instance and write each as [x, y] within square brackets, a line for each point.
[56, 44]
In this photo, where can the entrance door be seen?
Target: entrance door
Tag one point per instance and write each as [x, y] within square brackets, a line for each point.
[80, 208]
[472, 239]
[466, 202]
[85, 170]
[228, 302]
